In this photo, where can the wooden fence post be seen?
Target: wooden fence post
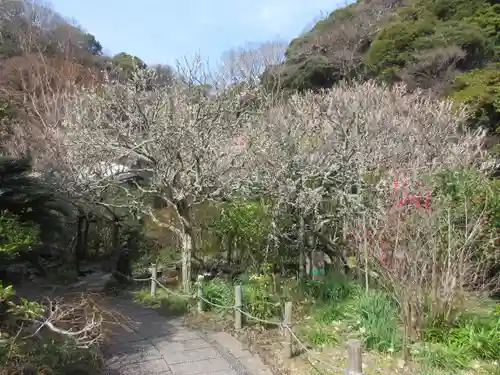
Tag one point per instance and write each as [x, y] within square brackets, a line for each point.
[238, 304]
[354, 358]
[287, 322]
[153, 279]
[201, 278]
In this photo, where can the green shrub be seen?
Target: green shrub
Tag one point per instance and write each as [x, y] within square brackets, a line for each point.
[480, 89]
[447, 10]
[333, 289]
[393, 45]
[481, 195]
[49, 356]
[166, 302]
[219, 292]
[245, 224]
[258, 299]
[327, 313]
[488, 19]
[399, 43]
[15, 234]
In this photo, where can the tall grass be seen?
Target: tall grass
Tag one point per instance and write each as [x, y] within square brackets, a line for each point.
[376, 316]
[258, 299]
[472, 336]
[345, 309]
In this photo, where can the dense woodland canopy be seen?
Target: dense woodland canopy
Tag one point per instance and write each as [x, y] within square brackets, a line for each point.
[368, 138]
[449, 47]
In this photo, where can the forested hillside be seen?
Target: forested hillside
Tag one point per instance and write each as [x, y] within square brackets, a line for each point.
[43, 57]
[451, 47]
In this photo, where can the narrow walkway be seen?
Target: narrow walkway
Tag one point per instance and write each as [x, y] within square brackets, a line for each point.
[164, 346]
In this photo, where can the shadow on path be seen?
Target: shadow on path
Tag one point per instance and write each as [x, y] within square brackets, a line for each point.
[152, 344]
[155, 345]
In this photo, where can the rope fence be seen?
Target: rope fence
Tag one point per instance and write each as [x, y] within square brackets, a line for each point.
[354, 352]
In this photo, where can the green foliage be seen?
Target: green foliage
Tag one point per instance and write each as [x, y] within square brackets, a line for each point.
[246, 224]
[393, 45]
[397, 44]
[29, 198]
[93, 45]
[14, 234]
[471, 189]
[42, 354]
[6, 292]
[49, 356]
[333, 289]
[471, 336]
[317, 335]
[258, 299]
[328, 312]
[488, 19]
[425, 43]
[480, 90]
[376, 316]
[146, 257]
[219, 292]
[313, 72]
[168, 303]
[30, 213]
[244, 220]
[447, 10]
[348, 310]
[126, 64]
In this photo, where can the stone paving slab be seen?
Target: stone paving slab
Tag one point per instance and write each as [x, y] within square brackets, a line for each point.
[173, 358]
[204, 366]
[233, 345]
[164, 346]
[180, 346]
[151, 367]
[144, 352]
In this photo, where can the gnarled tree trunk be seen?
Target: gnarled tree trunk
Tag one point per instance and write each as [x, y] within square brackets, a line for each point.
[187, 243]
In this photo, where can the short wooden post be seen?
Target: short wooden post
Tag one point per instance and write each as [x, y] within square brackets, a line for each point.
[238, 304]
[287, 322]
[201, 278]
[354, 358]
[153, 279]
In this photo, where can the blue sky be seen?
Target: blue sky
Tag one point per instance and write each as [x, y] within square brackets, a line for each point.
[161, 31]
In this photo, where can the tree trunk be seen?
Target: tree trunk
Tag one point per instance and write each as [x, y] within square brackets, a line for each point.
[116, 236]
[85, 237]
[98, 239]
[302, 249]
[329, 249]
[188, 244]
[78, 249]
[187, 249]
[230, 242]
